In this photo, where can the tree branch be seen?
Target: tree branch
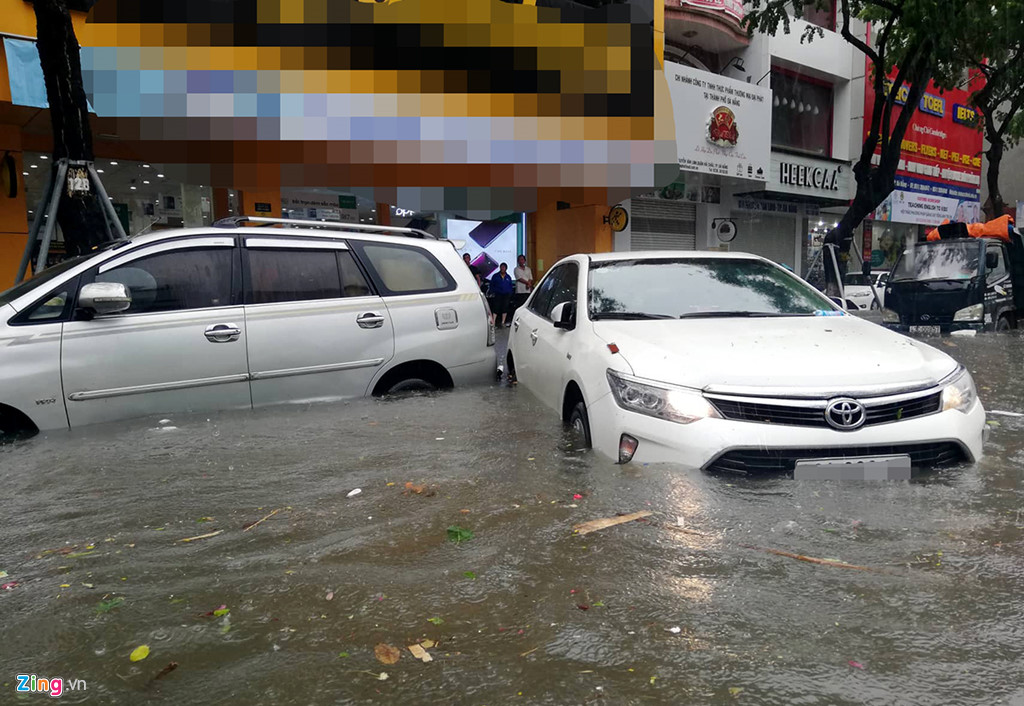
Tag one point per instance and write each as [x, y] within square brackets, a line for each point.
[855, 41]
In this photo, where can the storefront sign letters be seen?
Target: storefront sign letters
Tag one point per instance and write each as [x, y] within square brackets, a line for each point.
[809, 177]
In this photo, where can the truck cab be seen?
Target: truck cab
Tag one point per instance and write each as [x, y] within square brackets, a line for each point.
[957, 284]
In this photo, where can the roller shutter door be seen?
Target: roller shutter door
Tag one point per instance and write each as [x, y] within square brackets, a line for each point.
[658, 224]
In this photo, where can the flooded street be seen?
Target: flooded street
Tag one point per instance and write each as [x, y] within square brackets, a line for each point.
[522, 611]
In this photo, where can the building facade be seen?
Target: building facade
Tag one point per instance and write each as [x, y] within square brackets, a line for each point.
[776, 182]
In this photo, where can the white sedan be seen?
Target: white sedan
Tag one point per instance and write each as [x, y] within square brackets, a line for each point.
[727, 362]
[858, 288]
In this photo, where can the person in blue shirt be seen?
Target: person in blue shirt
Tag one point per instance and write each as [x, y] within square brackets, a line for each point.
[502, 289]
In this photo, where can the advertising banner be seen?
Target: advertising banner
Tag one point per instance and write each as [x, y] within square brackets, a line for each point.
[940, 159]
[318, 207]
[489, 243]
[723, 127]
[927, 209]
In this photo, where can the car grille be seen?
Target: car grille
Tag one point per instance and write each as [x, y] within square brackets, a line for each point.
[754, 461]
[812, 414]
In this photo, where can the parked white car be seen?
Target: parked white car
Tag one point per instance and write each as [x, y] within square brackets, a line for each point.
[727, 362]
[234, 317]
[858, 289]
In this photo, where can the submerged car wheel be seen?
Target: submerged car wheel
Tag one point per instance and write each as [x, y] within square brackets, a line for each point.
[1003, 325]
[579, 422]
[411, 385]
[874, 305]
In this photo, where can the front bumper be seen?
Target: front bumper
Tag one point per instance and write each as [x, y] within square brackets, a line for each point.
[699, 444]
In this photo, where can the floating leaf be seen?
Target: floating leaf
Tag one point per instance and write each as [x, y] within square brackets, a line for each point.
[139, 653]
[469, 575]
[223, 610]
[3, 574]
[459, 534]
[435, 620]
[88, 585]
[205, 519]
[386, 654]
[343, 655]
[107, 606]
[76, 555]
[419, 653]
[735, 691]
[428, 643]
[598, 604]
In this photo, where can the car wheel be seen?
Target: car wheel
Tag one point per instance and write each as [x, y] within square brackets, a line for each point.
[510, 367]
[874, 305]
[1003, 325]
[579, 423]
[411, 385]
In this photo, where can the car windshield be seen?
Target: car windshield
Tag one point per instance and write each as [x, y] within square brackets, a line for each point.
[699, 287]
[941, 260]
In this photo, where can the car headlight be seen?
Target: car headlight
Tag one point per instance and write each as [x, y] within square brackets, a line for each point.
[959, 394]
[675, 404]
[890, 317]
[971, 313]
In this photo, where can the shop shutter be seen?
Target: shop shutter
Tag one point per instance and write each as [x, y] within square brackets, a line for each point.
[658, 224]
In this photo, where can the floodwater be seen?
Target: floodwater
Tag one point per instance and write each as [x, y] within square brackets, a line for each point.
[524, 612]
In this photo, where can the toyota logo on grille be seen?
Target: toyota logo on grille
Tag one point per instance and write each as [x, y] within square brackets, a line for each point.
[845, 414]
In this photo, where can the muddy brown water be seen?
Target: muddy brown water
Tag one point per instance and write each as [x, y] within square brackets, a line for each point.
[634, 614]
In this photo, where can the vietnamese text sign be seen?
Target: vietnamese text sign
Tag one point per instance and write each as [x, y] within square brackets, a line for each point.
[927, 209]
[723, 127]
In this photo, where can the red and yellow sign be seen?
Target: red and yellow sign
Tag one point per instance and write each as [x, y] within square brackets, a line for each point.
[722, 130]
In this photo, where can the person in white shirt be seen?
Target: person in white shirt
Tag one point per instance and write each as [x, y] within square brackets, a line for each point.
[524, 283]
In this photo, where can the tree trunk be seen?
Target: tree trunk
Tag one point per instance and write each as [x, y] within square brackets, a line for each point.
[996, 204]
[80, 216]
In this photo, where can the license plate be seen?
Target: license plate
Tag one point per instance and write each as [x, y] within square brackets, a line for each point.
[860, 468]
[925, 330]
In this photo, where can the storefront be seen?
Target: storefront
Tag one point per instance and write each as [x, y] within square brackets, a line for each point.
[789, 220]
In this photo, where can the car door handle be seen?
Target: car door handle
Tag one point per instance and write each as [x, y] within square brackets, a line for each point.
[223, 333]
[370, 320]
[533, 336]
[515, 325]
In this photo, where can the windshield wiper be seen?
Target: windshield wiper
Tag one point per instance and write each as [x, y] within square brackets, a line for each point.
[627, 315]
[736, 315]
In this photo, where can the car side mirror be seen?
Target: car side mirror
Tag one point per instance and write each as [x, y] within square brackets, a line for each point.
[105, 297]
[564, 316]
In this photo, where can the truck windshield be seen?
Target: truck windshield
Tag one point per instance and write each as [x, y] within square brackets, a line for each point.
[941, 260]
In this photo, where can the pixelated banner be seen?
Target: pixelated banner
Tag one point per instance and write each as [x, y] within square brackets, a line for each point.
[467, 105]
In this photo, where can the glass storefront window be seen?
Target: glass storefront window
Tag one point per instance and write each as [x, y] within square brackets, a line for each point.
[801, 113]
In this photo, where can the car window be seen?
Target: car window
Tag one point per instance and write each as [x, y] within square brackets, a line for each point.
[559, 286]
[281, 275]
[50, 308]
[176, 280]
[999, 270]
[565, 287]
[407, 270]
[353, 282]
[540, 304]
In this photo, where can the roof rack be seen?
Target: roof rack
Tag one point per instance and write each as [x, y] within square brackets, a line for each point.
[237, 221]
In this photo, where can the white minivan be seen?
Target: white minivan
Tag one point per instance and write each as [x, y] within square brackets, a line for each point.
[231, 316]
[727, 362]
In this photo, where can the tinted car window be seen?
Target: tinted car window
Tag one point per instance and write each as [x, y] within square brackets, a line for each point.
[404, 270]
[353, 283]
[1000, 269]
[176, 280]
[279, 275]
[565, 288]
[541, 302]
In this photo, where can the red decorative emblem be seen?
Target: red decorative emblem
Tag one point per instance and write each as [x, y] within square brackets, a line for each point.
[722, 128]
